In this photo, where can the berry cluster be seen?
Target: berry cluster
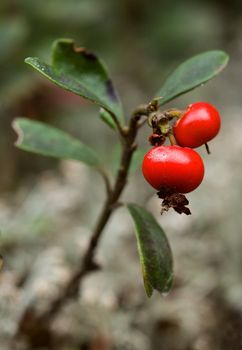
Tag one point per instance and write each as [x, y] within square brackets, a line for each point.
[177, 169]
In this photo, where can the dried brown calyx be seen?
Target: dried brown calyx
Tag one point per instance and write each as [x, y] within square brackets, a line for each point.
[171, 199]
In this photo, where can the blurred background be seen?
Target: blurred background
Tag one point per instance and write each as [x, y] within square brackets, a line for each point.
[48, 208]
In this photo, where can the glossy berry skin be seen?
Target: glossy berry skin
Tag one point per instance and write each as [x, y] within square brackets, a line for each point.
[177, 169]
[198, 125]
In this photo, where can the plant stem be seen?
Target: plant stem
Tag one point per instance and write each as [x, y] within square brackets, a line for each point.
[31, 323]
[207, 148]
[172, 139]
[174, 113]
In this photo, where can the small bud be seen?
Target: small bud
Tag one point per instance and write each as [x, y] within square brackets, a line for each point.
[156, 139]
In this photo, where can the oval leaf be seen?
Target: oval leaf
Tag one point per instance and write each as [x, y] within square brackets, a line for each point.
[39, 138]
[192, 73]
[154, 251]
[81, 72]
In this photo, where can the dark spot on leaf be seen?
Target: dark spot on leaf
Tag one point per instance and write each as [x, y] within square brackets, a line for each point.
[89, 55]
[110, 90]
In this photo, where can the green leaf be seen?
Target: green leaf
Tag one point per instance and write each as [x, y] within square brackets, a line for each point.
[154, 251]
[192, 73]
[81, 72]
[107, 118]
[39, 138]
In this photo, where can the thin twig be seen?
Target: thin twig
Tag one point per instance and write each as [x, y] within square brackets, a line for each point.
[117, 122]
[142, 122]
[172, 139]
[31, 323]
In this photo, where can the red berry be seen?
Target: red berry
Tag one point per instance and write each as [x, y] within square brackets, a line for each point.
[198, 125]
[177, 169]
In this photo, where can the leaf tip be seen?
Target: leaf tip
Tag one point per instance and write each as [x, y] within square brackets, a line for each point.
[28, 60]
[19, 132]
[33, 62]
[225, 56]
[148, 288]
[169, 285]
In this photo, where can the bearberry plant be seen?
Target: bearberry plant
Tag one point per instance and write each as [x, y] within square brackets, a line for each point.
[173, 170]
